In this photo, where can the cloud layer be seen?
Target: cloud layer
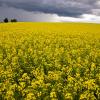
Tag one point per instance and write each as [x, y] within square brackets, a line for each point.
[51, 10]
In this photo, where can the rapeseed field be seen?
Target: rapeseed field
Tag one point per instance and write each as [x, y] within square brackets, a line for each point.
[49, 61]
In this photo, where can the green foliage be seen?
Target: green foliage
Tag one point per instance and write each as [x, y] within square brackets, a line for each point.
[6, 20]
[13, 20]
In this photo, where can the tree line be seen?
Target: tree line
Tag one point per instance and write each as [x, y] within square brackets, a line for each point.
[12, 20]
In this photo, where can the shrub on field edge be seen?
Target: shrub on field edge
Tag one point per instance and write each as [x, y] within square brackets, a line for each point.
[6, 20]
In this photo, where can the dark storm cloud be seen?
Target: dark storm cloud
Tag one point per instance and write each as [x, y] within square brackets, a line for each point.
[51, 10]
[72, 8]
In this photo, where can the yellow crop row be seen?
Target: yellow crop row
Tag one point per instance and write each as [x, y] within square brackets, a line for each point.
[49, 61]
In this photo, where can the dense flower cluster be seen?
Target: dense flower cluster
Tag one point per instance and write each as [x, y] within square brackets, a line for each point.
[44, 61]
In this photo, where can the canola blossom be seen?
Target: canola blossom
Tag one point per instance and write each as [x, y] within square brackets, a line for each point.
[49, 61]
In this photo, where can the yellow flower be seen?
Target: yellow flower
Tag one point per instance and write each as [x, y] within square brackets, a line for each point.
[10, 93]
[22, 84]
[30, 96]
[53, 94]
[68, 96]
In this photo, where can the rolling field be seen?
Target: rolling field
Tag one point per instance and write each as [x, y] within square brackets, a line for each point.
[49, 61]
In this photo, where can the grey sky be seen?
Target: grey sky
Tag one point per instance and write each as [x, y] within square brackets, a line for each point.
[51, 10]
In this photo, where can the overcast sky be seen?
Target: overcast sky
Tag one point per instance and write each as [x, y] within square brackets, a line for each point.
[51, 10]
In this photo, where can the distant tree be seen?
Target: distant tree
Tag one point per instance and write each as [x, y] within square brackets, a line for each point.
[13, 20]
[6, 20]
